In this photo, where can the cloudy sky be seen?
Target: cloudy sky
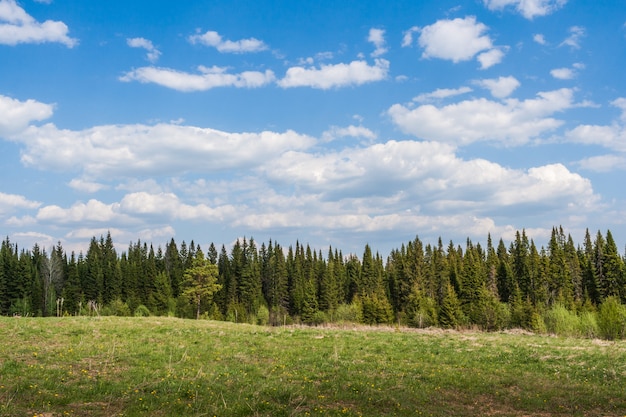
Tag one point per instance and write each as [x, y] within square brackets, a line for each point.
[334, 123]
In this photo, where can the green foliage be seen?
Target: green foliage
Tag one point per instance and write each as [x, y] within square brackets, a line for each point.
[489, 313]
[263, 315]
[349, 313]
[450, 313]
[561, 321]
[119, 308]
[421, 311]
[419, 285]
[376, 310]
[200, 281]
[142, 311]
[612, 319]
[588, 325]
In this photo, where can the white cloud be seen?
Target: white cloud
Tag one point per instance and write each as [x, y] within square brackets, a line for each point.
[105, 152]
[441, 93]
[93, 211]
[377, 37]
[603, 163]
[336, 132]
[611, 136]
[16, 115]
[540, 39]
[459, 40]
[500, 87]
[86, 186]
[207, 79]
[562, 73]
[336, 75]
[573, 40]
[152, 55]
[17, 26]
[214, 39]
[169, 205]
[407, 38]
[490, 58]
[12, 202]
[621, 104]
[387, 178]
[512, 121]
[527, 8]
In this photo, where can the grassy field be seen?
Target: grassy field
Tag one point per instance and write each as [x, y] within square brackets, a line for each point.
[158, 366]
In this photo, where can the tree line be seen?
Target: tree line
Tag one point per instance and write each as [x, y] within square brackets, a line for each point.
[490, 287]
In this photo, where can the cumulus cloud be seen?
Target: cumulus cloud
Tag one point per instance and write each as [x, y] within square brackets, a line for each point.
[621, 104]
[440, 94]
[459, 40]
[336, 132]
[603, 163]
[214, 39]
[540, 39]
[17, 26]
[152, 55]
[500, 87]
[407, 38]
[86, 186]
[527, 8]
[611, 136]
[16, 115]
[562, 73]
[574, 38]
[490, 58]
[169, 205]
[511, 121]
[105, 152]
[608, 136]
[335, 75]
[208, 78]
[12, 202]
[93, 211]
[410, 174]
[377, 37]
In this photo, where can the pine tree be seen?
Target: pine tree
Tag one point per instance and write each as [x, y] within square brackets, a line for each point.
[200, 281]
[611, 282]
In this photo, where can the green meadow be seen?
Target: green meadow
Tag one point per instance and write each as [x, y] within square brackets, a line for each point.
[159, 366]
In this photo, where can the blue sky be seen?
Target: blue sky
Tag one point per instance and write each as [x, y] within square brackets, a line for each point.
[334, 123]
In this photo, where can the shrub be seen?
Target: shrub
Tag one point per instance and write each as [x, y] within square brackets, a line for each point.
[489, 313]
[142, 311]
[588, 325]
[319, 317]
[350, 313]
[119, 308]
[560, 321]
[612, 319]
[263, 315]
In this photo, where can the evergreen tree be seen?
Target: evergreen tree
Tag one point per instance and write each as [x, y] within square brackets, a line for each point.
[611, 282]
[200, 281]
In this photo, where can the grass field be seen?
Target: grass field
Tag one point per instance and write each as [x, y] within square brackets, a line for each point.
[159, 366]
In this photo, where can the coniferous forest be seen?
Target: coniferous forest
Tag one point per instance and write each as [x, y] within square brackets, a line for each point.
[566, 287]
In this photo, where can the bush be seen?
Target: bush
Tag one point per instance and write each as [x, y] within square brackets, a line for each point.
[262, 316]
[376, 310]
[350, 313]
[118, 308]
[142, 311]
[489, 313]
[319, 317]
[588, 325]
[612, 319]
[560, 321]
